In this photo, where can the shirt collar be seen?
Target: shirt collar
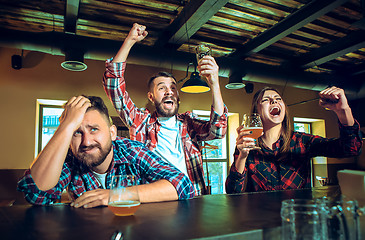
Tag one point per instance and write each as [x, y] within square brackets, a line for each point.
[154, 118]
[118, 157]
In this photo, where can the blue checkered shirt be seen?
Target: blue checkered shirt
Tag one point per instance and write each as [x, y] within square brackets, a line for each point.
[130, 157]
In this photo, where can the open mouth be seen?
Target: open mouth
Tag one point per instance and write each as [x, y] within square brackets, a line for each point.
[169, 103]
[275, 111]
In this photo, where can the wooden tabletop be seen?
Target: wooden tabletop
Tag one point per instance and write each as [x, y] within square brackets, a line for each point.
[234, 216]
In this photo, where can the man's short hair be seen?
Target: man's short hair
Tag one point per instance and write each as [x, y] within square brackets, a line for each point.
[98, 104]
[159, 74]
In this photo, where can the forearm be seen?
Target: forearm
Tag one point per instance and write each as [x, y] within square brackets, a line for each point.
[236, 182]
[35, 196]
[218, 103]
[115, 88]
[124, 50]
[345, 117]
[161, 190]
[47, 167]
[240, 163]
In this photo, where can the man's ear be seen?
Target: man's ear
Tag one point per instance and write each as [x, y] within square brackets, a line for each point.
[150, 97]
[113, 132]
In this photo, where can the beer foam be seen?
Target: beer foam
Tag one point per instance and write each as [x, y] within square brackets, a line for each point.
[124, 203]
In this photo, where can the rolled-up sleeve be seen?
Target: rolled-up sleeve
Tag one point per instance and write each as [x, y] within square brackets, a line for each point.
[235, 182]
[36, 196]
[153, 168]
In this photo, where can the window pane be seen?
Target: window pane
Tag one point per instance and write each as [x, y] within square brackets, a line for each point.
[214, 153]
[50, 123]
[217, 176]
[302, 127]
[215, 149]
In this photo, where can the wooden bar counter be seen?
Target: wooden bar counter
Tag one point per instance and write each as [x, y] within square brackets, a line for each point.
[234, 216]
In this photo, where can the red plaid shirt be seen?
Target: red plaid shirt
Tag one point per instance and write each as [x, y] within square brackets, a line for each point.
[265, 172]
[144, 126]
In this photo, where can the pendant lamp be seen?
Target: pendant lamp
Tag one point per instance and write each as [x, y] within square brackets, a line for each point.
[235, 81]
[74, 60]
[194, 84]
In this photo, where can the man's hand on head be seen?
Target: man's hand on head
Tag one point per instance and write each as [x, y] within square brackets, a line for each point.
[93, 198]
[75, 110]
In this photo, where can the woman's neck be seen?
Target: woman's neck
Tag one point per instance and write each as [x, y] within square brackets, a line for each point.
[271, 135]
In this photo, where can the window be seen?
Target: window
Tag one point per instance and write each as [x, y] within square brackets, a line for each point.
[315, 127]
[48, 113]
[302, 127]
[215, 160]
[122, 130]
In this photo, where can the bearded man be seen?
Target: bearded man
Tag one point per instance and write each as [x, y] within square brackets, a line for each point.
[174, 137]
[85, 153]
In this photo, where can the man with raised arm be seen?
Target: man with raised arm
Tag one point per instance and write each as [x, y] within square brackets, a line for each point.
[173, 136]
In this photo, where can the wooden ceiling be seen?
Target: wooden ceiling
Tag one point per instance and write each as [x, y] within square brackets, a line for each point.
[320, 37]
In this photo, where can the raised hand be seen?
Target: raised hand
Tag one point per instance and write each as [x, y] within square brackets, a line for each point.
[208, 68]
[333, 98]
[244, 144]
[137, 33]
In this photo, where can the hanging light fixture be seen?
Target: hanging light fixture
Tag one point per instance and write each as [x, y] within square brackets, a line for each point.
[74, 60]
[235, 81]
[194, 84]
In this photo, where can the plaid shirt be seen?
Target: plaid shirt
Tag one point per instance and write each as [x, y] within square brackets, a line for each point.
[144, 126]
[265, 172]
[130, 157]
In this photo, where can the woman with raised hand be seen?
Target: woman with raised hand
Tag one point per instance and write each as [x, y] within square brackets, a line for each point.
[283, 160]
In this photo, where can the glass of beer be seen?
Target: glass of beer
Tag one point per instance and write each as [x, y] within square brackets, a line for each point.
[253, 123]
[201, 51]
[123, 195]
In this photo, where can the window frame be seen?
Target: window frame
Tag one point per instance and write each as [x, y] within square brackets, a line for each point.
[204, 115]
[41, 105]
[306, 123]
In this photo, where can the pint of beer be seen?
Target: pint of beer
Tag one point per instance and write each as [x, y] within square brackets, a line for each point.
[253, 123]
[123, 196]
[201, 51]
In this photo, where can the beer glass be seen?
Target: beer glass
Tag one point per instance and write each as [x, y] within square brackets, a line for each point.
[201, 51]
[252, 122]
[319, 219]
[301, 220]
[123, 195]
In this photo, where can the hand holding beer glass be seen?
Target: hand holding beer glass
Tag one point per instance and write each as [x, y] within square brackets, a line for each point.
[253, 123]
[201, 51]
[123, 195]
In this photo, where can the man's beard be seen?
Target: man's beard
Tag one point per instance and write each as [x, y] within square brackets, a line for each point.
[93, 160]
[167, 113]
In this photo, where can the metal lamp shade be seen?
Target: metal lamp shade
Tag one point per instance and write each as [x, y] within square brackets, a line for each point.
[74, 61]
[235, 81]
[195, 84]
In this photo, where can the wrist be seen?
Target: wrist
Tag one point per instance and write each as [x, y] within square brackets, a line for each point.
[128, 43]
[345, 116]
[67, 128]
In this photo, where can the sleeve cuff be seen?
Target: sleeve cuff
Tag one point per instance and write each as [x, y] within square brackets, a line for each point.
[115, 67]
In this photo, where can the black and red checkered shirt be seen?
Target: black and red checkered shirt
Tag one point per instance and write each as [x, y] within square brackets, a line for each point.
[265, 172]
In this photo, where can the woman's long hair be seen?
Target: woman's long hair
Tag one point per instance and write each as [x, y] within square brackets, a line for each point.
[286, 129]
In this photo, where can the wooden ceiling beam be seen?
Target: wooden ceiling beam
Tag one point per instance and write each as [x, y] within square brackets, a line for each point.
[71, 16]
[293, 22]
[333, 50]
[194, 15]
